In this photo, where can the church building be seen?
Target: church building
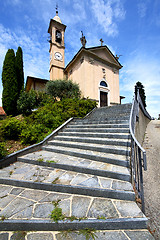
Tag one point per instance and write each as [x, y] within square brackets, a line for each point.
[95, 69]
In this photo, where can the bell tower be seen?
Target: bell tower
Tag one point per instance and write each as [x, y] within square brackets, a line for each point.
[56, 30]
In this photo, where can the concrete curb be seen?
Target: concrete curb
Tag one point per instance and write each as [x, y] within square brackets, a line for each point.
[13, 157]
[47, 225]
[94, 192]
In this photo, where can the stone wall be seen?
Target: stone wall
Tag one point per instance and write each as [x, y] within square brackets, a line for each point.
[141, 126]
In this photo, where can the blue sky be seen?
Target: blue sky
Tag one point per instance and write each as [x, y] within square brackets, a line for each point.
[130, 28]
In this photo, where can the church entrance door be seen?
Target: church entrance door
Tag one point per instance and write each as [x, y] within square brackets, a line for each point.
[103, 99]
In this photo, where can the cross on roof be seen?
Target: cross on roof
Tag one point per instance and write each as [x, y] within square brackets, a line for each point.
[101, 40]
[56, 9]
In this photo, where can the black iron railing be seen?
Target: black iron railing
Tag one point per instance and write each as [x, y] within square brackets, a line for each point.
[138, 154]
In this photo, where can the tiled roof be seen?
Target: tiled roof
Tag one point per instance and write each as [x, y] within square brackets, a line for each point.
[2, 112]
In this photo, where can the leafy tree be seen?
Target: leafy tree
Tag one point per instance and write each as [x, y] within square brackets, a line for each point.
[26, 102]
[63, 89]
[140, 86]
[19, 70]
[9, 81]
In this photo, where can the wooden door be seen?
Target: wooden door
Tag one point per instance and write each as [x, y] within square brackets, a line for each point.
[103, 99]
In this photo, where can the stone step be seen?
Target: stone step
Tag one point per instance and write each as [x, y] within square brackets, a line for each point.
[92, 146]
[110, 110]
[115, 159]
[64, 188]
[87, 121]
[96, 135]
[29, 209]
[123, 230]
[109, 117]
[76, 165]
[105, 141]
[99, 126]
[97, 130]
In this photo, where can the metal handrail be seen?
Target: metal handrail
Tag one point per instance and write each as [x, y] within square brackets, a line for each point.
[138, 154]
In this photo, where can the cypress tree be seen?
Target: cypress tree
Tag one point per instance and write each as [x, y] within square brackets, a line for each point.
[140, 86]
[9, 81]
[19, 70]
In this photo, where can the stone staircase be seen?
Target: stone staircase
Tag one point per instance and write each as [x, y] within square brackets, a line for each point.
[84, 171]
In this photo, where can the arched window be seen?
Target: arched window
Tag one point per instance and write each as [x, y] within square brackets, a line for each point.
[103, 84]
[58, 36]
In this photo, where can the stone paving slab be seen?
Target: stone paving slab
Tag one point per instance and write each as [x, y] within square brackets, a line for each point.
[101, 235]
[24, 203]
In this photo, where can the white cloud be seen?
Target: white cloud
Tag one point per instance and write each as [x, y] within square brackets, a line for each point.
[108, 13]
[142, 8]
[145, 70]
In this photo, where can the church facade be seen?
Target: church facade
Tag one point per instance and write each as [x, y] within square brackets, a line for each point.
[95, 69]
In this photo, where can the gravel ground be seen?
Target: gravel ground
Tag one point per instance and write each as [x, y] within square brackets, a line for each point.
[152, 177]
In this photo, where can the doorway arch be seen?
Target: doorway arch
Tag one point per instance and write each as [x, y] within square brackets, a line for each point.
[104, 94]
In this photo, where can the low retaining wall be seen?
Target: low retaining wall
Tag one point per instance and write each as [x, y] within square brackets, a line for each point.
[141, 125]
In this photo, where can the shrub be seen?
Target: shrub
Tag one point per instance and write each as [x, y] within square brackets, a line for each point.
[63, 89]
[33, 128]
[11, 128]
[3, 151]
[26, 102]
[33, 133]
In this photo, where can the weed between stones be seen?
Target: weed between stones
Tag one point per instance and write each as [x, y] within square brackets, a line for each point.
[11, 172]
[40, 159]
[50, 161]
[57, 215]
[86, 232]
[56, 179]
[3, 218]
[20, 235]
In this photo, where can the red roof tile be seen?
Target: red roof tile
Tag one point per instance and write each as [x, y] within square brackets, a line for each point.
[2, 112]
